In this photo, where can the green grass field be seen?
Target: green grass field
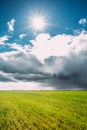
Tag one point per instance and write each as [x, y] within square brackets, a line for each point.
[43, 110]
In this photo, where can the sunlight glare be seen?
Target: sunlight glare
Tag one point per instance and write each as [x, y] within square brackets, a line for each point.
[38, 23]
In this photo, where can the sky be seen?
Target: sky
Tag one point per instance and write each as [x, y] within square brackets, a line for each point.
[43, 44]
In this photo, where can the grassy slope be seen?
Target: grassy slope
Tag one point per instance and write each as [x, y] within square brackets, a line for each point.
[43, 110]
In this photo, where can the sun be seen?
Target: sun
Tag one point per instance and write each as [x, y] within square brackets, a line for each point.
[38, 23]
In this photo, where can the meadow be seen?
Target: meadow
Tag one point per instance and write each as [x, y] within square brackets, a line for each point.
[43, 110]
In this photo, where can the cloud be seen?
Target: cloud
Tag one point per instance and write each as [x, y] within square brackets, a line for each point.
[20, 48]
[3, 39]
[4, 77]
[83, 21]
[11, 25]
[10, 62]
[58, 61]
[45, 46]
[21, 36]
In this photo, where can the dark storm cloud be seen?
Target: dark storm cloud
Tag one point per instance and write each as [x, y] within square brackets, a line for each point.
[72, 75]
[5, 77]
[19, 62]
[22, 66]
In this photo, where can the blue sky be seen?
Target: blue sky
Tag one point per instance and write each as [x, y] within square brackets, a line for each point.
[55, 55]
[61, 13]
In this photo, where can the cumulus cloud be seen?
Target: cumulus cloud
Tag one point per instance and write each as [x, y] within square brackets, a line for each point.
[11, 25]
[83, 21]
[21, 36]
[45, 46]
[3, 39]
[52, 61]
[20, 48]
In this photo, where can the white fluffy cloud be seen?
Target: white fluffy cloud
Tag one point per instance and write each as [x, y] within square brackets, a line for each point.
[45, 46]
[3, 39]
[11, 25]
[21, 36]
[83, 21]
[20, 48]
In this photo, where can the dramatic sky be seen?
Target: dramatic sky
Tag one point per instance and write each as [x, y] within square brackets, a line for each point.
[43, 44]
